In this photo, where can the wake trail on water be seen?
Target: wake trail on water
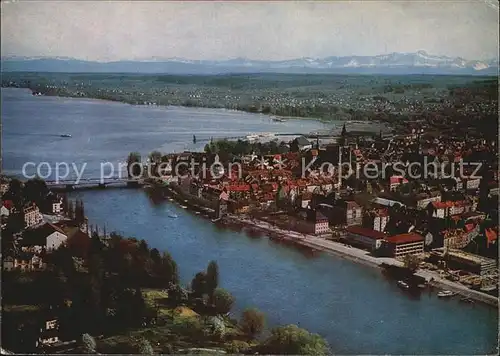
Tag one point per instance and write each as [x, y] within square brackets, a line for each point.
[31, 134]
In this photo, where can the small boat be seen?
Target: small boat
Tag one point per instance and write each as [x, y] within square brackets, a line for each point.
[215, 220]
[184, 207]
[403, 285]
[446, 294]
[172, 215]
[65, 135]
[467, 300]
[252, 137]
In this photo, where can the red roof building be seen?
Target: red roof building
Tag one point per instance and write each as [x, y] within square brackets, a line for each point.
[402, 245]
[364, 237]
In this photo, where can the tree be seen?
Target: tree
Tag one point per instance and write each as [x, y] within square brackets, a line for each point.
[35, 190]
[430, 210]
[344, 131]
[177, 295]
[411, 262]
[155, 255]
[216, 326]
[71, 210]
[292, 340]
[65, 203]
[199, 285]
[15, 193]
[133, 165]
[169, 272]
[212, 277]
[88, 343]
[155, 157]
[252, 322]
[145, 347]
[223, 301]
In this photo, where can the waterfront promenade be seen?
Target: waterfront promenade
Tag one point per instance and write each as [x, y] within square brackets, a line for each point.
[363, 257]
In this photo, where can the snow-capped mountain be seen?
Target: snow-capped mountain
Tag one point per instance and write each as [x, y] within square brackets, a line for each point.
[391, 63]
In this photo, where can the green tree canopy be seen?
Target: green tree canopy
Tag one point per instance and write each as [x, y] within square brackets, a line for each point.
[223, 301]
[252, 322]
[212, 277]
[292, 340]
[199, 284]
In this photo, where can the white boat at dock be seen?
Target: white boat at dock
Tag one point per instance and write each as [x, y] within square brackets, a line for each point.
[446, 294]
[252, 137]
[403, 285]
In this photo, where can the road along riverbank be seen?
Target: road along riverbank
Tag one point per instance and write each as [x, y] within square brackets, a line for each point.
[360, 256]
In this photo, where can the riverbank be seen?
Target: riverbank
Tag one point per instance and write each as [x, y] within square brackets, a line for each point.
[363, 257]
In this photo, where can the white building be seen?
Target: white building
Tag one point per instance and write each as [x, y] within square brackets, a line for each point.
[57, 206]
[49, 237]
[32, 216]
[321, 224]
[380, 220]
[4, 211]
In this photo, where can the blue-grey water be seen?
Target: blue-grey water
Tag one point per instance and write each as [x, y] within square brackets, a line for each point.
[352, 306]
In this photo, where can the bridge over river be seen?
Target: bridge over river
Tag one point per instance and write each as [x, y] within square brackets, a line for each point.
[93, 183]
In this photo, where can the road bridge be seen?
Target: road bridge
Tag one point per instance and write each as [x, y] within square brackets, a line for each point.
[93, 183]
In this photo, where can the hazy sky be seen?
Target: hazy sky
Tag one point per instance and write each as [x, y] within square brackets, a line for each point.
[257, 30]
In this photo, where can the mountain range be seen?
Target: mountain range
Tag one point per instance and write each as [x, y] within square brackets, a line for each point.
[394, 63]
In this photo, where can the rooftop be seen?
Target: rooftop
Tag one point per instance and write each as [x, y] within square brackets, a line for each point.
[466, 256]
[405, 238]
[363, 231]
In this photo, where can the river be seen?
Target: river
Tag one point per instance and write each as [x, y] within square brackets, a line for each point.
[352, 306]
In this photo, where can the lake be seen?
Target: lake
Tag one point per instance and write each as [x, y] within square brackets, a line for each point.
[353, 306]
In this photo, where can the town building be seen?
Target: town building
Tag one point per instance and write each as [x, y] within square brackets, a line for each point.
[56, 204]
[49, 332]
[32, 215]
[380, 219]
[354, 213]
[458, 259]
[321, 224]
[4, 188]
[25, 262]
[424, 199]
[366, 238]
[302, 143]
[7, 208]
[396, 181]
[47, 237]
[221, 209]
[399, 246]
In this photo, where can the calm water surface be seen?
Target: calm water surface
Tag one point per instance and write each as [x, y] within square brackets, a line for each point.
[352, 306]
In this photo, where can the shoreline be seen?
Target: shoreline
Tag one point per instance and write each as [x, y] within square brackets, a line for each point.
[362, 257]
[269, 115]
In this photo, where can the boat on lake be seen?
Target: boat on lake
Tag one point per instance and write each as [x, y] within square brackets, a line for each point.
[446, 294]
[65, 135]
[467, 300]
[403, 285]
